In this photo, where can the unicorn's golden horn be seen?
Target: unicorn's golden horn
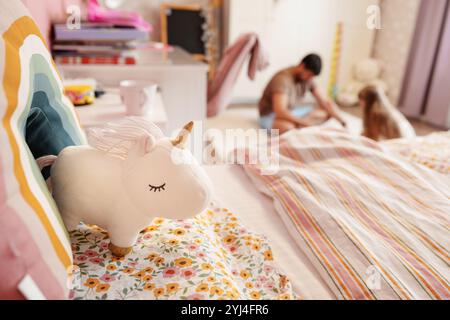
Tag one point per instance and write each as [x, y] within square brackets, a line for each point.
[182, 137]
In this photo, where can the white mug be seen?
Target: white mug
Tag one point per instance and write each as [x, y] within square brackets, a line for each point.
[138, 96]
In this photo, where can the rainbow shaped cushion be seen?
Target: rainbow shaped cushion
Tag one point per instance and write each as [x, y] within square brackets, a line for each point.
[33, 239]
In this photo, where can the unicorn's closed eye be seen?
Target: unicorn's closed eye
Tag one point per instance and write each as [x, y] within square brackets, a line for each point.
[125, 179]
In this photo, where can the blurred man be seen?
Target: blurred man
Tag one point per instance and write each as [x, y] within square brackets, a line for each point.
[278, 106]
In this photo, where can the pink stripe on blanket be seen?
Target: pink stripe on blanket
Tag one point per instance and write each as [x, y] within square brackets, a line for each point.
[350, 206]
[348, 282]
[433, 281]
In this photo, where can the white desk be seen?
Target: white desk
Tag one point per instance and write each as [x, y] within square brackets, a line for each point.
[182, 80]
[109, 108]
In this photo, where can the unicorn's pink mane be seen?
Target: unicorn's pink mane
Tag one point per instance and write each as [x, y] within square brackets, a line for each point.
[117, 138]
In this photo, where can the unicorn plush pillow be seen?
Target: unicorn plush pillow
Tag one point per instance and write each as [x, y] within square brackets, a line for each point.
[129, 175]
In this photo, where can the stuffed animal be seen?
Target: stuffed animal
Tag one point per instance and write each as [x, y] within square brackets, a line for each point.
[365, 73]
[123, 191]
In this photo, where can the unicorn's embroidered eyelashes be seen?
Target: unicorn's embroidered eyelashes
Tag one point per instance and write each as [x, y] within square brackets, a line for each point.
[157, 188]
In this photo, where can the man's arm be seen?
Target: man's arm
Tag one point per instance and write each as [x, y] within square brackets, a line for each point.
[280, 102]
[328, 106]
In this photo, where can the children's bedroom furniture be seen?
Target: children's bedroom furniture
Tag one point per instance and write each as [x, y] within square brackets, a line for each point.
[182, 80]
[109, 108]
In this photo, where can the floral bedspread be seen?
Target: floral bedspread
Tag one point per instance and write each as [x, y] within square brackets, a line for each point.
[432, 151]
[212, 256]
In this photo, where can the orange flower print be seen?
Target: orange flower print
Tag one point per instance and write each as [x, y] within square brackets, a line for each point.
[229, 239]
[158, 221]
[255, 295]
[91, 283]
[206, 266]
[203, 287]
[115, 259]
[179, 232]
[159, 260]
[151, 228]
[148, 269]
[220, 265]
[268, 255]
[111, 267]
[158, 292]
[183, 262]
[245, 274]
[172, 287]
[232, 295]
[256, 247]
[152, 256]
[226, 282]
[285, 296]
[149, 286]
[102, 287]
[216, 291]
[147, 278]
[139, 274]
[128, 270]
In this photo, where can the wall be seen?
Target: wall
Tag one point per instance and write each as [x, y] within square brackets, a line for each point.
[44, 12]
[292, 28]
[150, 10]
[392, 42]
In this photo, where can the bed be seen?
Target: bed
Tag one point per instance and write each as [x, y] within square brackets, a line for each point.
[256, 209]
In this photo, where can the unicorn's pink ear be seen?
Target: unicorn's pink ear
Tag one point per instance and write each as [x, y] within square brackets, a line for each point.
[143, 145]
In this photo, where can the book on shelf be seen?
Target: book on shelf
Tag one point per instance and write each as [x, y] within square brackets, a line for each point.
[99, 32]
[76, 60]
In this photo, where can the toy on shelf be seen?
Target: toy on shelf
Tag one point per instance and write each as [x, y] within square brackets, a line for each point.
[129, 175]
[365, 73]
[96, 13]
[80, 95]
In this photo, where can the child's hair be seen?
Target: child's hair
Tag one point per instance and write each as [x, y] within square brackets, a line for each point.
[378, 121]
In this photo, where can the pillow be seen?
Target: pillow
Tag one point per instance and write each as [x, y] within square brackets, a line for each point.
[35, 249]
[44, 132]
[212, 256]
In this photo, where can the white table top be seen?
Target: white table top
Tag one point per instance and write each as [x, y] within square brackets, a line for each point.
[109, 108]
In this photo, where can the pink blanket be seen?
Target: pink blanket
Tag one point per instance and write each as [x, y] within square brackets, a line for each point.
[220, 88]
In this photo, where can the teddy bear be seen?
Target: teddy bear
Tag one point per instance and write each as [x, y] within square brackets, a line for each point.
[365, 73]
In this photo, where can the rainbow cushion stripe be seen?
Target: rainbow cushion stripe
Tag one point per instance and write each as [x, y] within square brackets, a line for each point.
[33, 239]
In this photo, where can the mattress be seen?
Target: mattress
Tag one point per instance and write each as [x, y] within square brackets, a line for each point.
[233, 188]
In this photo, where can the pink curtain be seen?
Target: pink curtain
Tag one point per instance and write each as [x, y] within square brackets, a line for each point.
[437, 108]
[428, 68]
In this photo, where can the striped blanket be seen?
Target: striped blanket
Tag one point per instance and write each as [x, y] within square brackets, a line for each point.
[374, 226]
